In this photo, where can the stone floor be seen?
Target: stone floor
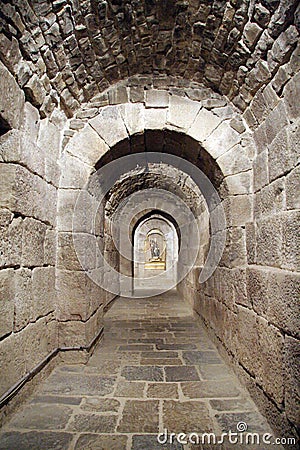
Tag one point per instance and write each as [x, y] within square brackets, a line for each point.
[155, 369]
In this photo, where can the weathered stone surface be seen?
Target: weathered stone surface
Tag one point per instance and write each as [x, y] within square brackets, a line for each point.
[95, 404]
[22, 192]
[43, 290]
[223, 138]
[102, 124]
[12, 99]
[87, 146]
[98, 442]
[181, 373]
[158, 390]
[139, 416]
[209, 389]
[42, 417]
[149, 373]
[130, 389]
[182, 112]
[280, 161]
[255, 422]
[49, 141]
[33, 242]
[155, 118]
[240, 183]
[292, 197]
[183, 417]
[11, 242]
[236, 160]
[270, 200]
[133, 116]
[291, 373]
[23, 298]
[205, 123]
[7, 290]
[291, 238]
[157, 99]
[269, 241]
[77, 384]
[283, 290]
[34, 439]
[12, 356]
[93, 423]
[74, 172]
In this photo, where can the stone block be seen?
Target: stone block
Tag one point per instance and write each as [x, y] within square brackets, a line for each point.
[71, 295]
[283, 293]
[271, 353]
[250, 242]
[12, 99]
[156, 98]
[182, 112]
[72, 334]
[276, 121]
[257, 289]
[251, 34]
[235, 253]
[7, 291]
[269, 241]
[240, 183]
[33, 242]
[50, 248]
[26, 193]
[237, 159]
[43, 291]
[292, 376]
[291, 94]
[11, 243]
[102, 124]
[87, 146]
[270, 200]
[31, 122]
[12, 361]
[260, 171]
[76, 210]
[280, 162]
[49, 140]
[137, 94]
[260, 350]
[23, 298]
[291, 240]
[205, 123]
[238, 210]
[35, 90]
[40, 339]
[155, 119]
[133, 116]
[118, 95]
[76, 251]
[292, 189]
[74, 172]
[221, 139]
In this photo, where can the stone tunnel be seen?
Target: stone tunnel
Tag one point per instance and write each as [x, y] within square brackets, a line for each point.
[149, 210]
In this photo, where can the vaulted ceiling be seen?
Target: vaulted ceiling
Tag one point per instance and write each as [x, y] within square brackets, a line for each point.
[75, 49]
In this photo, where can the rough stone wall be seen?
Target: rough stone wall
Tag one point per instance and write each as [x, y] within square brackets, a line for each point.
[251, 302]
[29, 176]
[69, 51]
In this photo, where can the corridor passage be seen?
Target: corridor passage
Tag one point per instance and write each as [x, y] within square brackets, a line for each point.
[155, 369]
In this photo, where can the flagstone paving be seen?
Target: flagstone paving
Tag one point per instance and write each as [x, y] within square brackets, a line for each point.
[155, 369]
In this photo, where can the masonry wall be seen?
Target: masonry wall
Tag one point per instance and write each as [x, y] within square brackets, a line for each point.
[251, 304]
[29, 148]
